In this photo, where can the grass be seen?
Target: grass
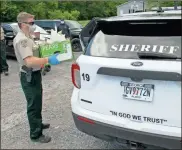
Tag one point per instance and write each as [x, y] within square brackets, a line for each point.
[84, 22]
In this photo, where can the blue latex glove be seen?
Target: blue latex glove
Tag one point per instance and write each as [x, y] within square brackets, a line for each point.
[53, 60]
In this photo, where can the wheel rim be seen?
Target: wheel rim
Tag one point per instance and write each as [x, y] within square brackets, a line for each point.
[76, 46]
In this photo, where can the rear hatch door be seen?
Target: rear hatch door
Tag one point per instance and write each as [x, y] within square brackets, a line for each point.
[133, 73]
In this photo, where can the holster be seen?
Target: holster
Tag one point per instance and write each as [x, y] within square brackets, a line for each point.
[28, 73]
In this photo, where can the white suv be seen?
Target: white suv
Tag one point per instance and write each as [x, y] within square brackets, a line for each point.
[127, 84]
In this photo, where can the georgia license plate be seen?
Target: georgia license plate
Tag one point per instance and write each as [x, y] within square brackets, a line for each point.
[135, 91]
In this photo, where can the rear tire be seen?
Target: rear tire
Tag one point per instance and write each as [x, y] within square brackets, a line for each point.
[76, 46]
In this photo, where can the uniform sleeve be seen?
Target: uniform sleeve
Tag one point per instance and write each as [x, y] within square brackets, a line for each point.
[24, 48]
[2, 31]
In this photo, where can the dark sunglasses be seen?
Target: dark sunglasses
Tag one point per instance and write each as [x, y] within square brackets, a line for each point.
[30, 23]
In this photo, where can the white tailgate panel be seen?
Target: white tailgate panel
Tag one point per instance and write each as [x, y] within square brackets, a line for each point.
[106, 95]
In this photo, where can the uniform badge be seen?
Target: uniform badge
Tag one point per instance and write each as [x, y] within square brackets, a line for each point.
[24, 43]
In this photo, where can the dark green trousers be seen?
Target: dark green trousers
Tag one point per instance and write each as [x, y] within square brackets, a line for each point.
[4, 65]
[33, 94]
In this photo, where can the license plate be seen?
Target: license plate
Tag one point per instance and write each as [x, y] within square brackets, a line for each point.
[135, 91]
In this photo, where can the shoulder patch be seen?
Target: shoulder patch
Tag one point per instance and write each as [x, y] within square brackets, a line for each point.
[24, 43]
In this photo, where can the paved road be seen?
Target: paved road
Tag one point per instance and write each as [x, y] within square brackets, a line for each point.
[56, 110]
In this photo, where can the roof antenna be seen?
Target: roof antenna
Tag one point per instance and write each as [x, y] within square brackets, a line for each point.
[159, 7]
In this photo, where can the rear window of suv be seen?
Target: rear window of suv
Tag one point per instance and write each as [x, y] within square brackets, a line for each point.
[46, 24]
[129, 39]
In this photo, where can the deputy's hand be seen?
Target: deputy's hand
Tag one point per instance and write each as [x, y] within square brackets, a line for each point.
[53, 60]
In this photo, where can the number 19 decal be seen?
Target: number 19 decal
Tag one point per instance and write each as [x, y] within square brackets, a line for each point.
[86, 77]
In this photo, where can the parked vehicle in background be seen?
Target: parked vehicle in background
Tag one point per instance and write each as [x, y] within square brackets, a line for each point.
[11, 29]
[9, 36]
[43, 33]
[127, 83]
[74, 29]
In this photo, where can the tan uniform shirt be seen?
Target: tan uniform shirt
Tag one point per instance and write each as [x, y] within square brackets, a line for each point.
[2, 34]
[24, 46]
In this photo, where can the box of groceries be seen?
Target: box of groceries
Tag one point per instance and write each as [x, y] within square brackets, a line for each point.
[63, 48]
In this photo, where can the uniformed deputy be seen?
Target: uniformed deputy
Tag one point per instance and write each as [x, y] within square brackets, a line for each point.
[4, 66]
[63, 28]
[30, 75]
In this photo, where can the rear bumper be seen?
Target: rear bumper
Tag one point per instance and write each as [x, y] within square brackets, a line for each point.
[112, 133]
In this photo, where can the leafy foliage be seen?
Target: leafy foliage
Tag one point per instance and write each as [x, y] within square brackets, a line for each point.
[56, 9]
[58, 14]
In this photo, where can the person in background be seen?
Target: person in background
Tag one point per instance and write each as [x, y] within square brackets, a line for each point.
[4, 65]
[63, 28]
[27, 55]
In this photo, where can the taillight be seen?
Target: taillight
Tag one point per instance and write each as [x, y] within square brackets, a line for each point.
[86, 120]
[75, 73]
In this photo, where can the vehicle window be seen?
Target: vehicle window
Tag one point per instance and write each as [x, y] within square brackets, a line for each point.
[7, 28]
[57, 23]
[86, 32]
[15, 28]
[41, 30]
[46, 24]
[73, 24]
[38, 29]
[127, 40]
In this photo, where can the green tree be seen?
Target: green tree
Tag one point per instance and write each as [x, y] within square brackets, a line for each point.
[90, 9]
[55, 9]
[8, 11]
[39, 10]
[58, 14]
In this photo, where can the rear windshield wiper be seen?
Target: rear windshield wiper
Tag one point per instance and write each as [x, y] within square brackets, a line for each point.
[154, 55]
